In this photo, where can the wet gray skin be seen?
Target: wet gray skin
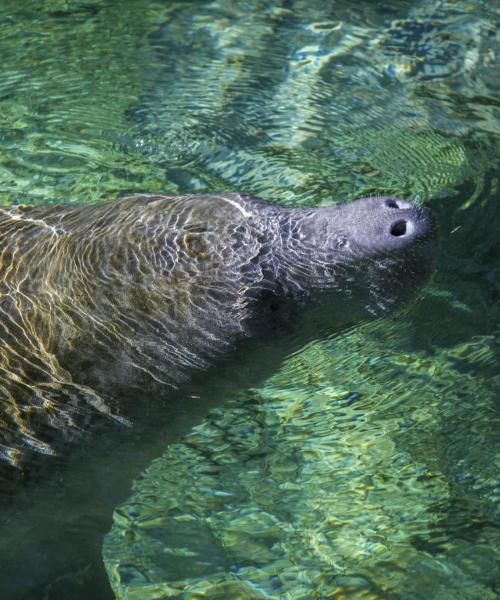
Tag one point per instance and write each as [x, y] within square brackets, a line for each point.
[105, 308]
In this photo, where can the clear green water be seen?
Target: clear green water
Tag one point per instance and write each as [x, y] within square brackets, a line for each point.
[368, 466]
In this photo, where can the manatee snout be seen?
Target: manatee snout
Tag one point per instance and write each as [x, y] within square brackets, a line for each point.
[387, 225]
[362, 259]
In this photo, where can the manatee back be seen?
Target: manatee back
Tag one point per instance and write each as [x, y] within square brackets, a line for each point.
[102, 305]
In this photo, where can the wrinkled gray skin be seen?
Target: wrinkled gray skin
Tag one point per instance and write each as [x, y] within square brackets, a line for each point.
[103, 308]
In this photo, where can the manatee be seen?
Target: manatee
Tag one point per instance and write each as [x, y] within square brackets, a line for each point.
[106, 308]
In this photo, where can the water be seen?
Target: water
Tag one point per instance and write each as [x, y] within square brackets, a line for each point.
[367, 466]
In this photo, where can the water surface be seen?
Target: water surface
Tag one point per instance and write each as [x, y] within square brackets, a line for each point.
[367, 466]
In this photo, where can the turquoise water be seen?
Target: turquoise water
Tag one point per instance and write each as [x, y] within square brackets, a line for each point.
[367, 466]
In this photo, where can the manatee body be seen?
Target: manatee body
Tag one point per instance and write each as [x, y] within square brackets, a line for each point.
[104, 307]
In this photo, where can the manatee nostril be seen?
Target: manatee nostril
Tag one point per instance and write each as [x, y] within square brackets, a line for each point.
[398, 228]
[391, 203]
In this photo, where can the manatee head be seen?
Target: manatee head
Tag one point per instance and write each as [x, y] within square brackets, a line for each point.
[355, 261]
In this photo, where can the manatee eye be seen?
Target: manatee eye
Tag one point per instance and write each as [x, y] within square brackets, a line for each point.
[341, 242]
